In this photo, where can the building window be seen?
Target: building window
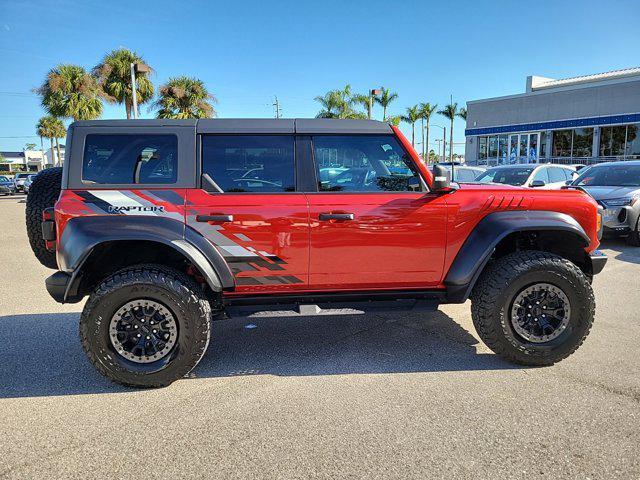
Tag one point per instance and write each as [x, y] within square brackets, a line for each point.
[543, 144]
[582, 142]
[632, 150]
[612, 141]
[572, 143]
[503, 147]
[482, 148]
[562, 143]
[493, 147]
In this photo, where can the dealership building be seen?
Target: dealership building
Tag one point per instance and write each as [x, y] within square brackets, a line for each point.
[578, 120]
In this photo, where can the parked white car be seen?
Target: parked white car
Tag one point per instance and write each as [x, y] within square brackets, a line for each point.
[536, 175]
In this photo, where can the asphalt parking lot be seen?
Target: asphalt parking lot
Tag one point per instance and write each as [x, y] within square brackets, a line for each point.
[375, 396]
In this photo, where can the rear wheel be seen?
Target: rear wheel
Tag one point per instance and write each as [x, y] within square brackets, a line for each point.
[43, 194]
[146, 326]
[533, 308]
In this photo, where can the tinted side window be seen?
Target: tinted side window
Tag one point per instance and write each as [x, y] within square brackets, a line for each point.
[362, 163]
[130, 159]
[557, 175]
[250, 163]
[542, 174]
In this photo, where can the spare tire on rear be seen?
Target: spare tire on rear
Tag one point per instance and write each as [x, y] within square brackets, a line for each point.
[43, 194]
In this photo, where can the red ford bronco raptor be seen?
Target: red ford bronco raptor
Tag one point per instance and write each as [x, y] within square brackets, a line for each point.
[168, 224]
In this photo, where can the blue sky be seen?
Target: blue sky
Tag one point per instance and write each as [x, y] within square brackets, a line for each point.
[248, 51]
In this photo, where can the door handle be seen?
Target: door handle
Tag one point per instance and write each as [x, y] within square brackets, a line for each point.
[214, 218]
[336, 216]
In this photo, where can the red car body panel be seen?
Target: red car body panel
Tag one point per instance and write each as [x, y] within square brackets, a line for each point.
[396, 241]
[267, 243]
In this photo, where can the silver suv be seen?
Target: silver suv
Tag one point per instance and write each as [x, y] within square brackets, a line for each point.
[616, 187]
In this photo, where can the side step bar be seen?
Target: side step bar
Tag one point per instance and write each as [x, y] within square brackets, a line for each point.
[333, 304]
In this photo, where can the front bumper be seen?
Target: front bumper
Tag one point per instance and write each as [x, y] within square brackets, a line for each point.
[598, 261]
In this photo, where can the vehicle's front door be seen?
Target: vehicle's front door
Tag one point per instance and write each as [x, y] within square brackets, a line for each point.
[370, 229]
[250, 210]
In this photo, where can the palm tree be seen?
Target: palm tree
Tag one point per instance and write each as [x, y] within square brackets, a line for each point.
[412, 116]
[339, 104]
[46, 127]
[58, 131]
[385, 99]
[114, 76]
[394, 119]
[184, 97]
[331, 105]
[463, 114]
[70, 92]
[450, 111]
[426, 110]
[363, 100]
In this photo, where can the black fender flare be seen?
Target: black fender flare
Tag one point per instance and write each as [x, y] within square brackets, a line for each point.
[480, 244]
[82, 235]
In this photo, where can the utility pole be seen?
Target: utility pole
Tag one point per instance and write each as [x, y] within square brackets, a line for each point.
[136, 68]
[134, 93]
[276, 105]
[373, 92]
[444, 143]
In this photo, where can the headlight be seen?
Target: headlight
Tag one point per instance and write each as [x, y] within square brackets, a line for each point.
[599, 223]
[619, 202]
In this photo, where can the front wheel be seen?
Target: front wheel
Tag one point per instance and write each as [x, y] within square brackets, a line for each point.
[146, 326]
[533, 308]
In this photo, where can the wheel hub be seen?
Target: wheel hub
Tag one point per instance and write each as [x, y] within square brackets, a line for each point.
[143, 331]
[540, 312]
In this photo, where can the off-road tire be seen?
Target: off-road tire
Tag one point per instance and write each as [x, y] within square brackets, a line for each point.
[633, 239]
[176, 291]
[43, 194]
[498, 286]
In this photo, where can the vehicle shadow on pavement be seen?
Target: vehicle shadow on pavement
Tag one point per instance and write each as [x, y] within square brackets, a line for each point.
[41, 354]
[625, 253]
[334, 345]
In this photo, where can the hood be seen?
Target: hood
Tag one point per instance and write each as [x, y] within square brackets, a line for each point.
[605, 193]
[488, 186]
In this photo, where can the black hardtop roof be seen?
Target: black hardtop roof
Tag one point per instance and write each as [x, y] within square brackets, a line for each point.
[254, 125]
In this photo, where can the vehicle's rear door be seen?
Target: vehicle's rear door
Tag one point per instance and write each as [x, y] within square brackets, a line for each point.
[248, 207]
[369, 228]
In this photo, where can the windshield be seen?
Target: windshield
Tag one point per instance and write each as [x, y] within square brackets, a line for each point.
[509, 176]
[3, 179]
[609, 176]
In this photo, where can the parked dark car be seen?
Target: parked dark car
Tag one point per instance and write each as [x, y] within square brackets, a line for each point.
[6, 186]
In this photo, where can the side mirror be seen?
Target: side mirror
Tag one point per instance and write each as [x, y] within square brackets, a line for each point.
[441, 178]
[538, 183]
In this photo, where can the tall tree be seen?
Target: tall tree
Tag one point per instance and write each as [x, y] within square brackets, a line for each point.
[412, 116]
[45, 128]
[364, 101]
[394, 119]
[114, 76]
[69, 91]
[384, 100]
[58, 131]
[450, 111]
[339, 104]
[463, 114]
[30, 146]
[184, 97]
[426, 110]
